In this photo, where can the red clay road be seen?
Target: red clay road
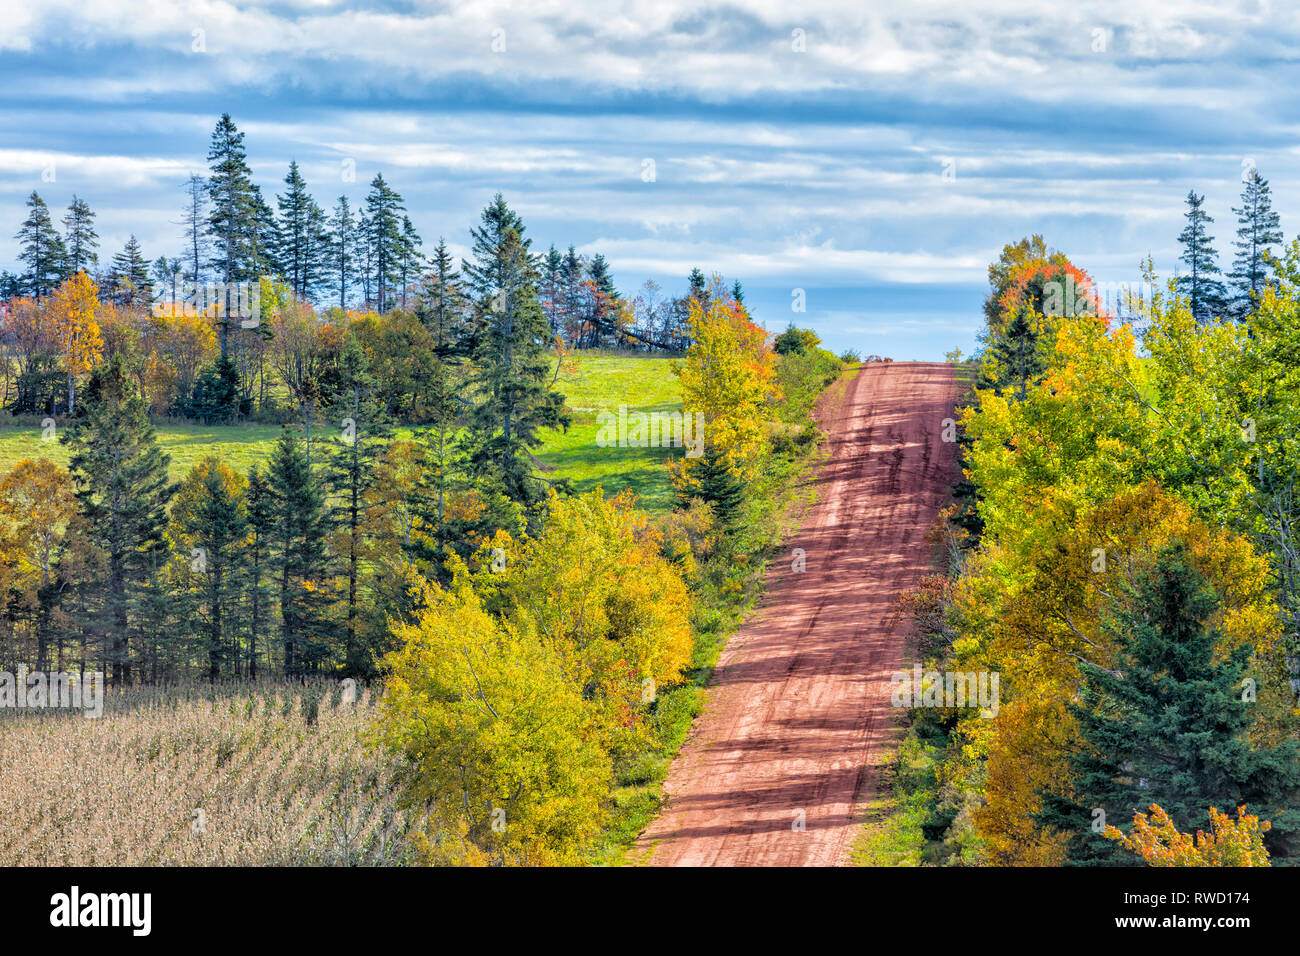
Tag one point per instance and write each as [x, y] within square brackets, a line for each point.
[798, 715]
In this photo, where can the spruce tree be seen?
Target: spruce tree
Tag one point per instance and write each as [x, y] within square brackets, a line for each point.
[1167, 724]
[511, 358]
[232, 219]
[80, 238]
[42, 251]
[349, 474]
[343, 242]
[384, 235]
[122, 493]
[261, 526]
[128, 283]
[1017, 357]
[1206, 294]
[304, 240]
[299, 557]
[216, 521]
[1258, 230]
[195, 222]
[719, 487]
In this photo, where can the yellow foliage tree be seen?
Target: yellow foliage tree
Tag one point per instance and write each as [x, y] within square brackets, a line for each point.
[727, 375]
[1157, 840]
[498, 745]
[72, 314]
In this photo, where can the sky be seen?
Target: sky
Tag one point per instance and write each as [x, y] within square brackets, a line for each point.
[868, 159]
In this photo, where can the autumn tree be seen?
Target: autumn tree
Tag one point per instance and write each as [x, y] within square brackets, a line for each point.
[73, 317]
[37, 503]
[1231, 842]
[726, 375]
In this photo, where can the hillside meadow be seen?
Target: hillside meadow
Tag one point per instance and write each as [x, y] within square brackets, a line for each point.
[590, 384]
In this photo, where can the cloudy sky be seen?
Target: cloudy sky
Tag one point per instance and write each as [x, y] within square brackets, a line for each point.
[874, 154]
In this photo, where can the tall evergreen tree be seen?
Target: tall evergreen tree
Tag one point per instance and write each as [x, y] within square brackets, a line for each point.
[299, 558]
[128, 278]
[1206, 293]
[1257, 231]
[215, 519]
[1017, 357]
[511, 357]
[195, 222]
[80, 238]
[122, 493]
[409, 265]
[384, 235]
[349, 474]
[42, 252]
[234, 215]
[1167, 724]
[551, 289]
[261, 526]
[304, 241]
[343, 242]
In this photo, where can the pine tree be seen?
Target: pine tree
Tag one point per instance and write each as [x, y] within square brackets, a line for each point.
[441, 306]
[215, 521]
[510, 357]
[349, 473]
[1258, 230]
[384, 236]
[122, 493]
[1018, 360]
[699, 287]
[298, 557]
[42, 251]
[80, 238]
[232, 221]
[551, 289]
[261, 526]
[304, 239]
[217, 396]
[343, 240]
[409, 264]
[1167, 724]
[1206, 294]
[196, 228]
[128, 282]
[167, 273]
[717, 485]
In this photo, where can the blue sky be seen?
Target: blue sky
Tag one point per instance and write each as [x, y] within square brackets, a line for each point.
[820, 168]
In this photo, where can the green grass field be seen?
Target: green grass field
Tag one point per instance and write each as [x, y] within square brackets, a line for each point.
[600, 382]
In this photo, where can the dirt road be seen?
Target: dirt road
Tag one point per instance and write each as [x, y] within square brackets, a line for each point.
[799, 709]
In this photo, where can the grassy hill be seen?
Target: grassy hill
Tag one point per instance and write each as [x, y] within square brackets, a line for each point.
[599, 382]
